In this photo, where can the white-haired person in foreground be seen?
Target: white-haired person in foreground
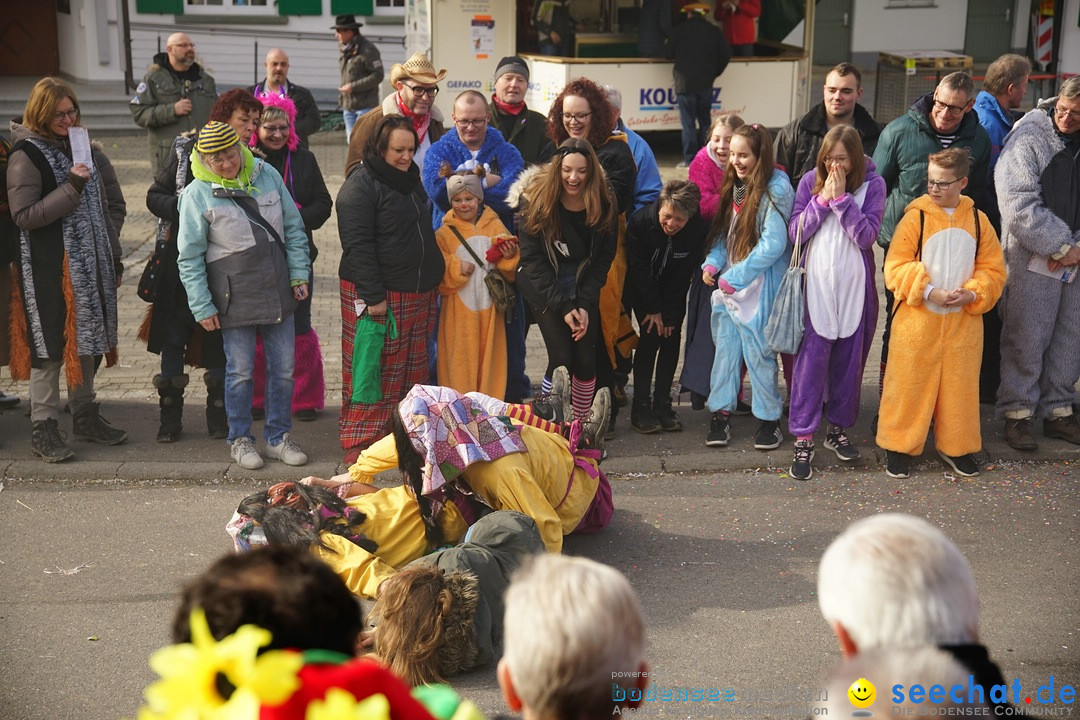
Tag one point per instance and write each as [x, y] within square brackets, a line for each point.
[893, 674]
[896, 582]
[572, 628]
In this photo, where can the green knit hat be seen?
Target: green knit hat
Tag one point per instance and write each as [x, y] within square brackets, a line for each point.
[216, 136]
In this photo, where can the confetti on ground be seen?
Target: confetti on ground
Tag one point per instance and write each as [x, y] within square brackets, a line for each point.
[61, 571]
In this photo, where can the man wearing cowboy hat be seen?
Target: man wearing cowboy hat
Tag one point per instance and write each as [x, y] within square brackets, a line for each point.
[361, 70]
[415, 86]
[701, 52]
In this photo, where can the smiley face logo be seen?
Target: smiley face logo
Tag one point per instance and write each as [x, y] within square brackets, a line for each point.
[862, 693]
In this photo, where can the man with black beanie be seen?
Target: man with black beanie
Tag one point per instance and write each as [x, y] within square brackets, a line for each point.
[523, 128]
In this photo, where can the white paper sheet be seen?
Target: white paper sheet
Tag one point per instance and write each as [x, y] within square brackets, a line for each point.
[80, 146]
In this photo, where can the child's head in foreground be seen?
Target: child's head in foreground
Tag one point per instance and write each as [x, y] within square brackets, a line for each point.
[560, 665]
[947, 176]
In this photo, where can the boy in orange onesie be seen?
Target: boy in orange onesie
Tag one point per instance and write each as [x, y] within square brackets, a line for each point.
[945, 268]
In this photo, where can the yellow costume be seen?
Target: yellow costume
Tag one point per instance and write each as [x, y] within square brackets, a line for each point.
[533, 483]
[394, 524]
[472, 333]
[935, 352]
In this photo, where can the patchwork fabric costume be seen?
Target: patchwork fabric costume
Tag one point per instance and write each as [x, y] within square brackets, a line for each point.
[841, 300]
[738, 321]
[934, 358]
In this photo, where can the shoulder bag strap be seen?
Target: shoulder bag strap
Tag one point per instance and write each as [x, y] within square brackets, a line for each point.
[471, 251]
[255, 218]
[918, 256]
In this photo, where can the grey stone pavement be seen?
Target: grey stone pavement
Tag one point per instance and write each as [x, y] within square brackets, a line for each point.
[720, 545]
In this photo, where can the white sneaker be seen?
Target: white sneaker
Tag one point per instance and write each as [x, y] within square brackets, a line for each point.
[244, 453]
[286, 451]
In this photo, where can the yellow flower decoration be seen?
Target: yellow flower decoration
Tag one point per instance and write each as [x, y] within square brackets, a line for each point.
[195, 675]
[341, 705]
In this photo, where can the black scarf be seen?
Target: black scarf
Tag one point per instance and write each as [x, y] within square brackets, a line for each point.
[404, 181]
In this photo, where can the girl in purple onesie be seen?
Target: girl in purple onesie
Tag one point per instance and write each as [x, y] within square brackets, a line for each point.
[839, 207]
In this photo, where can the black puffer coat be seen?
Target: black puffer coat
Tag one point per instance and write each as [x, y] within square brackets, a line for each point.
[659, 268]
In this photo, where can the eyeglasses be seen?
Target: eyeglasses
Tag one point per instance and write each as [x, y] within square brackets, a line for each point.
[276, 129]
[1070, 114]
[418, 90]
[225, 156]
[183, 45]
[576, 117]
[940, 184]
[70, 115]
[950, 109]
[471, 123]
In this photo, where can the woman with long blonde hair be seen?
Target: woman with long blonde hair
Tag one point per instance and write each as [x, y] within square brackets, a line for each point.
[748, 258]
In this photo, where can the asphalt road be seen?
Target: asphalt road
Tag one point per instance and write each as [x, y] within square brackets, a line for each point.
[724, 564]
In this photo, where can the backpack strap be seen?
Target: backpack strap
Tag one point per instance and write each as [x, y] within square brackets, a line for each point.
[918, 256]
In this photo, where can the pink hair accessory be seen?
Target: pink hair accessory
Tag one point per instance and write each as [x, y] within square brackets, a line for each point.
[286, 105]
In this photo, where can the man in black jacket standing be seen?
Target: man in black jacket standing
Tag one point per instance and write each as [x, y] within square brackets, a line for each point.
[701, 52]
[276, 82]
[798, 143]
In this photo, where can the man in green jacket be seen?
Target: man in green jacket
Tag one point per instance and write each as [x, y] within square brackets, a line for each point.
[174, 97]
[940, 120]
[523, 128]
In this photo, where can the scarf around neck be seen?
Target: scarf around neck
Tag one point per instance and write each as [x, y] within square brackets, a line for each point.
[507, 107]
[241, 182]
[404, 181]
[419, 122]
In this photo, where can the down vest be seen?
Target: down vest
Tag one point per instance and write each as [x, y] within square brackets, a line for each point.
[901, 159]
[387, 241]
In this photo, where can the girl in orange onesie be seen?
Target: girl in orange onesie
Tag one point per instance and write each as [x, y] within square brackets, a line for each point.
[945, 268]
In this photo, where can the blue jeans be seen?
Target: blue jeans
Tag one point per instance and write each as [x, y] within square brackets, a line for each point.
[279, 347]
[694, 108]
[351, 116]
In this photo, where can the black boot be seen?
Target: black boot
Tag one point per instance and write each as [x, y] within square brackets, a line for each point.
[642, 418]
[669, 421]
[217, 422]
[171, 401]
[47, 442]
[88, 424]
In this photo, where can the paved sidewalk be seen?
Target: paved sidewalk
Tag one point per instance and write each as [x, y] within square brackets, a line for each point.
[130, 402]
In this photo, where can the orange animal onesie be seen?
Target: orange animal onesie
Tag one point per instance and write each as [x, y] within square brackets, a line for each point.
[472, 333]
[935, 352]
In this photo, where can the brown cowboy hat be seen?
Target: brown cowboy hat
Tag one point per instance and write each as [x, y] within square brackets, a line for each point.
[346, 22]
[417, 68]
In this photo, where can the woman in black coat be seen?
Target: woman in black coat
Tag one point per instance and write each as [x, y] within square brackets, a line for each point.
[279, 142]
[390, 266]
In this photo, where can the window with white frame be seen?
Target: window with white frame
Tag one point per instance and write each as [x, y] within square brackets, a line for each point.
[230, 7]
[389, 7]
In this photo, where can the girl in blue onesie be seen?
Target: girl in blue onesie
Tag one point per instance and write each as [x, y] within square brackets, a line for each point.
[749, 255]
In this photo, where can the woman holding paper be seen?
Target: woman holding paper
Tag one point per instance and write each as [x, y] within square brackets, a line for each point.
[68, 207]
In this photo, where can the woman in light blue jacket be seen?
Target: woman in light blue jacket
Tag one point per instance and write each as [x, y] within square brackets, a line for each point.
[244, 264]
[749, 256]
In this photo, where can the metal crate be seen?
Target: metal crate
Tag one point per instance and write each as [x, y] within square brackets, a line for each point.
[905, 76]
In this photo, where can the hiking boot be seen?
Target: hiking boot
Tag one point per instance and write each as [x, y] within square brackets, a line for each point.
[548, 407]
[595, 423]
[768, 436]
[964, 465]
[171, 402]
[89, 425]
[719, 430]
[306, 415]
[1018, 434]
[1062, 428]
[642, 418]
[47, 442]
[618, 396]
[800, 464]
[669, 421]
[563, 391]
[217, 422]
[697, 401]
[837, 441]
[613, 414]
[244, 453]
[897, 464]
[286, 451]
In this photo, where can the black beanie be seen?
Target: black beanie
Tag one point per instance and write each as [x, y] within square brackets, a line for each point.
[511, 64]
